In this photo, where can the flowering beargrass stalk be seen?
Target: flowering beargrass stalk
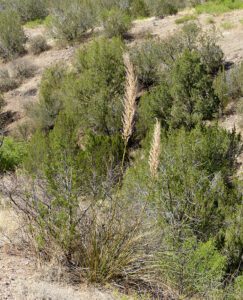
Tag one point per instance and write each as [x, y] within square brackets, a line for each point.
[129, 103]
[155, 150]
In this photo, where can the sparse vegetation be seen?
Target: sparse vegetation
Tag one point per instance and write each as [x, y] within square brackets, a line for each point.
[219, 6]
[38, 45]
[23, 69]
[227, 25]
[185, 18]
[210, 20]
[7, 82]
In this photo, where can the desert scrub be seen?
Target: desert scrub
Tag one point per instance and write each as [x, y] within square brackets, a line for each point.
[17, 71]
[12, 37]
[28, 10]
[7, 82]
[22, 68]
[70, 21]
[187, 79]
[12, 154]
[234, 81]
[50, 102]
[164, 7]
[146, 58]
[38, 45]
[98, 235]
[100, 63]
[115, 22]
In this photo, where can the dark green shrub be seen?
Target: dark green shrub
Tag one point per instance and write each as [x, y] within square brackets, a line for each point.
[50, 98]
[96, 94]
[185, 96]
[38, 45]
[12, 36]
[211, 54]
[191, 198]
[193, 268]
[115, 22]
[234, 236]
[194, 171]
[221, 89]
[151, 57]
[156, 103]
[238, 287]
[11, 154]
[101, 162]
[173, 46]
[91, 94]
[192, 91]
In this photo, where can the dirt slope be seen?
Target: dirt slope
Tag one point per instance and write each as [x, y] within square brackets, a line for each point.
[19, 280]
[231, 39]
[28, 91]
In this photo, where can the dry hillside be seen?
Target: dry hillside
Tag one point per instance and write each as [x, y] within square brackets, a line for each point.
[19, 278]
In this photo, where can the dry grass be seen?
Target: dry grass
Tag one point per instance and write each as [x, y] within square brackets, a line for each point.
[22, 69]
[108, 239]
[11, 76]
[227, 25]
[129, 100]
[8, 224]
[7, 82]
[38, 45]
[155, 150]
